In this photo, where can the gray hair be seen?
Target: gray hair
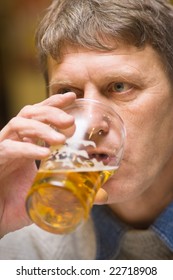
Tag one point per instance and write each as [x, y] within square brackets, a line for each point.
[96, 24]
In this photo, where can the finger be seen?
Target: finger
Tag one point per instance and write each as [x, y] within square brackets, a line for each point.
[20, 128]
[49, 115]
[59, 100]
[101, 197]
[10, 149]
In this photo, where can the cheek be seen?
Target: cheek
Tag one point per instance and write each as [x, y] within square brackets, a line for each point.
[147, 149]
[148, 123]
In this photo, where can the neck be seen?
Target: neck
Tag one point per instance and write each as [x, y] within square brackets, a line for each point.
[141, 212]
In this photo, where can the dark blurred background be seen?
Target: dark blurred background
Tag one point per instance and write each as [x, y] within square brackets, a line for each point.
[21, 82]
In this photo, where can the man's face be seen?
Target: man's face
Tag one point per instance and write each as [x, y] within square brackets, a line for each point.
[135, 84]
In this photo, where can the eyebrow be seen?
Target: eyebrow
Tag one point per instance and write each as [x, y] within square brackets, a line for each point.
[130, 74]
[59, 83]
[123, 75]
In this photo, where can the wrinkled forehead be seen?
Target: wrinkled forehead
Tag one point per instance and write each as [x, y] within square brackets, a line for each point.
[117, 48]
[126, 61]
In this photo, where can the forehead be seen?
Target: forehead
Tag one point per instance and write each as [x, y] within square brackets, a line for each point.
[125, 58]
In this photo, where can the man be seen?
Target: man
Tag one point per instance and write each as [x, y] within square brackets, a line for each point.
[120, 53]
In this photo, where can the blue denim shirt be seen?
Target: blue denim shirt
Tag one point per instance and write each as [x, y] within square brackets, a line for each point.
[109, 230]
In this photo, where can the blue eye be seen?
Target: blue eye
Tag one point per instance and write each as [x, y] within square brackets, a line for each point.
[119, 87]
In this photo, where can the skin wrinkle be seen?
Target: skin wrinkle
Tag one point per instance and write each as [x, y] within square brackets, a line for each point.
[93, 81]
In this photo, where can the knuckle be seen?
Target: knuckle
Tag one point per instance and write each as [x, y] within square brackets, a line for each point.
[12, 123]
[26, 111]
[5, 144]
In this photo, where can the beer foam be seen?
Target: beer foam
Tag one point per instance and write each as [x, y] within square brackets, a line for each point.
[80, 169]
[70, 156]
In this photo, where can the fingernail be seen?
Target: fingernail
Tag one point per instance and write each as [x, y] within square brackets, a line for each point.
[57, 136]
[43, 151]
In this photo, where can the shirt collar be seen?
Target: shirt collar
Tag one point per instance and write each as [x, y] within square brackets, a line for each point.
[109, 230]
[163, 226]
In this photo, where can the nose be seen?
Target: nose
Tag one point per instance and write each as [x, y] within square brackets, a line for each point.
[97, 125]
[97, 122]
[97, 116]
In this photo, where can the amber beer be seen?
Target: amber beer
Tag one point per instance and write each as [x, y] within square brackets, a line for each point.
[60, 199]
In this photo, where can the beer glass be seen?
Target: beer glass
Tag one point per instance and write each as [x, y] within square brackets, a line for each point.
[65, 186]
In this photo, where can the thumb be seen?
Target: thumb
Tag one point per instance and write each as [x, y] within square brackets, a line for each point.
[101, 197]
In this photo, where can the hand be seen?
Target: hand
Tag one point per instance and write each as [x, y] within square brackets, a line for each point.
[19, 150]
[101, 197]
